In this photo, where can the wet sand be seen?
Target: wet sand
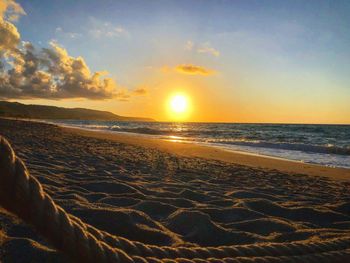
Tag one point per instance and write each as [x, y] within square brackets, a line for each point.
[213, 153]
[168, 193]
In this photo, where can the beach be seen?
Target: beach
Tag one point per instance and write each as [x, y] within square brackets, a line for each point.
[169, 193]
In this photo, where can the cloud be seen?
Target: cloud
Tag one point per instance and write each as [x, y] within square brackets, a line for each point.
[10, 10]
[189, 45]
[204, 48]
[193, 70]
[9, 37]
[208, 49]
[99, 29]
[60, 32]
[52, 73]
[141, 91]
[49, 73]
[123, 95]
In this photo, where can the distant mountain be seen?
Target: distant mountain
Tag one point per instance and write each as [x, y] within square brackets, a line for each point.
[19, 110]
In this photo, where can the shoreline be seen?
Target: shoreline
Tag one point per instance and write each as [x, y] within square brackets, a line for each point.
[290, 155]
[207, 152]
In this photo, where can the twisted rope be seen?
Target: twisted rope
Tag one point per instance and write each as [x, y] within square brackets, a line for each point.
[22, 194]
[251, 250]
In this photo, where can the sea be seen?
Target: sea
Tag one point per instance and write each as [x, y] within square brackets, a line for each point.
[327, 145]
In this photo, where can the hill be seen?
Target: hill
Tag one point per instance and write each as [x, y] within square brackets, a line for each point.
[19, 110]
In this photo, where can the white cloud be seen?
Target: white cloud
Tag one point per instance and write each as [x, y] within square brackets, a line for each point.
[208, 49]
[99, 29]
[60, 32]
[204, 48]
[189, 45]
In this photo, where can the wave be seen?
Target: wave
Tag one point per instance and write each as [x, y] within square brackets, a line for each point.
[142, 130]
[278, 137]
[93, 126]
[325, 149]
[309, 148]
[174, 131]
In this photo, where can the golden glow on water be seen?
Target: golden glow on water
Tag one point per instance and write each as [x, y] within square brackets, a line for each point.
[173, 138]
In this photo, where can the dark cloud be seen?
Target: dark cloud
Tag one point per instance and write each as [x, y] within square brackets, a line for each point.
[141, 91]
[193, 70]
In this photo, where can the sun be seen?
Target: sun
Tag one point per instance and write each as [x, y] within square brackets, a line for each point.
[178, 103]
[179, 106]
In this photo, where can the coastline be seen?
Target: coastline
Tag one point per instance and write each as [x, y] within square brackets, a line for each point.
[215, 153]
[189, 149]
[161, 194]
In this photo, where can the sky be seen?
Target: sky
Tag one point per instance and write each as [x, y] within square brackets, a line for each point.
[235, 61]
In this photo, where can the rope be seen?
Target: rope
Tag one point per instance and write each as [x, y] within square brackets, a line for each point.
[251, 250]
[22, 194]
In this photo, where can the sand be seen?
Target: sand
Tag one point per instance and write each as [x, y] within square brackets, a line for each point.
[167, 193]
[175, 146]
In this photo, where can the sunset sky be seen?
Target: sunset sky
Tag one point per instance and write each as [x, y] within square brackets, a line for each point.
[235, 61]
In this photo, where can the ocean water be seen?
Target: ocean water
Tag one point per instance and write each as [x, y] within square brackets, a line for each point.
[327, 145]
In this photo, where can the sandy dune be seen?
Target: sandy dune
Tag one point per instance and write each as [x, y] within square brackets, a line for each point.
[159, 198]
